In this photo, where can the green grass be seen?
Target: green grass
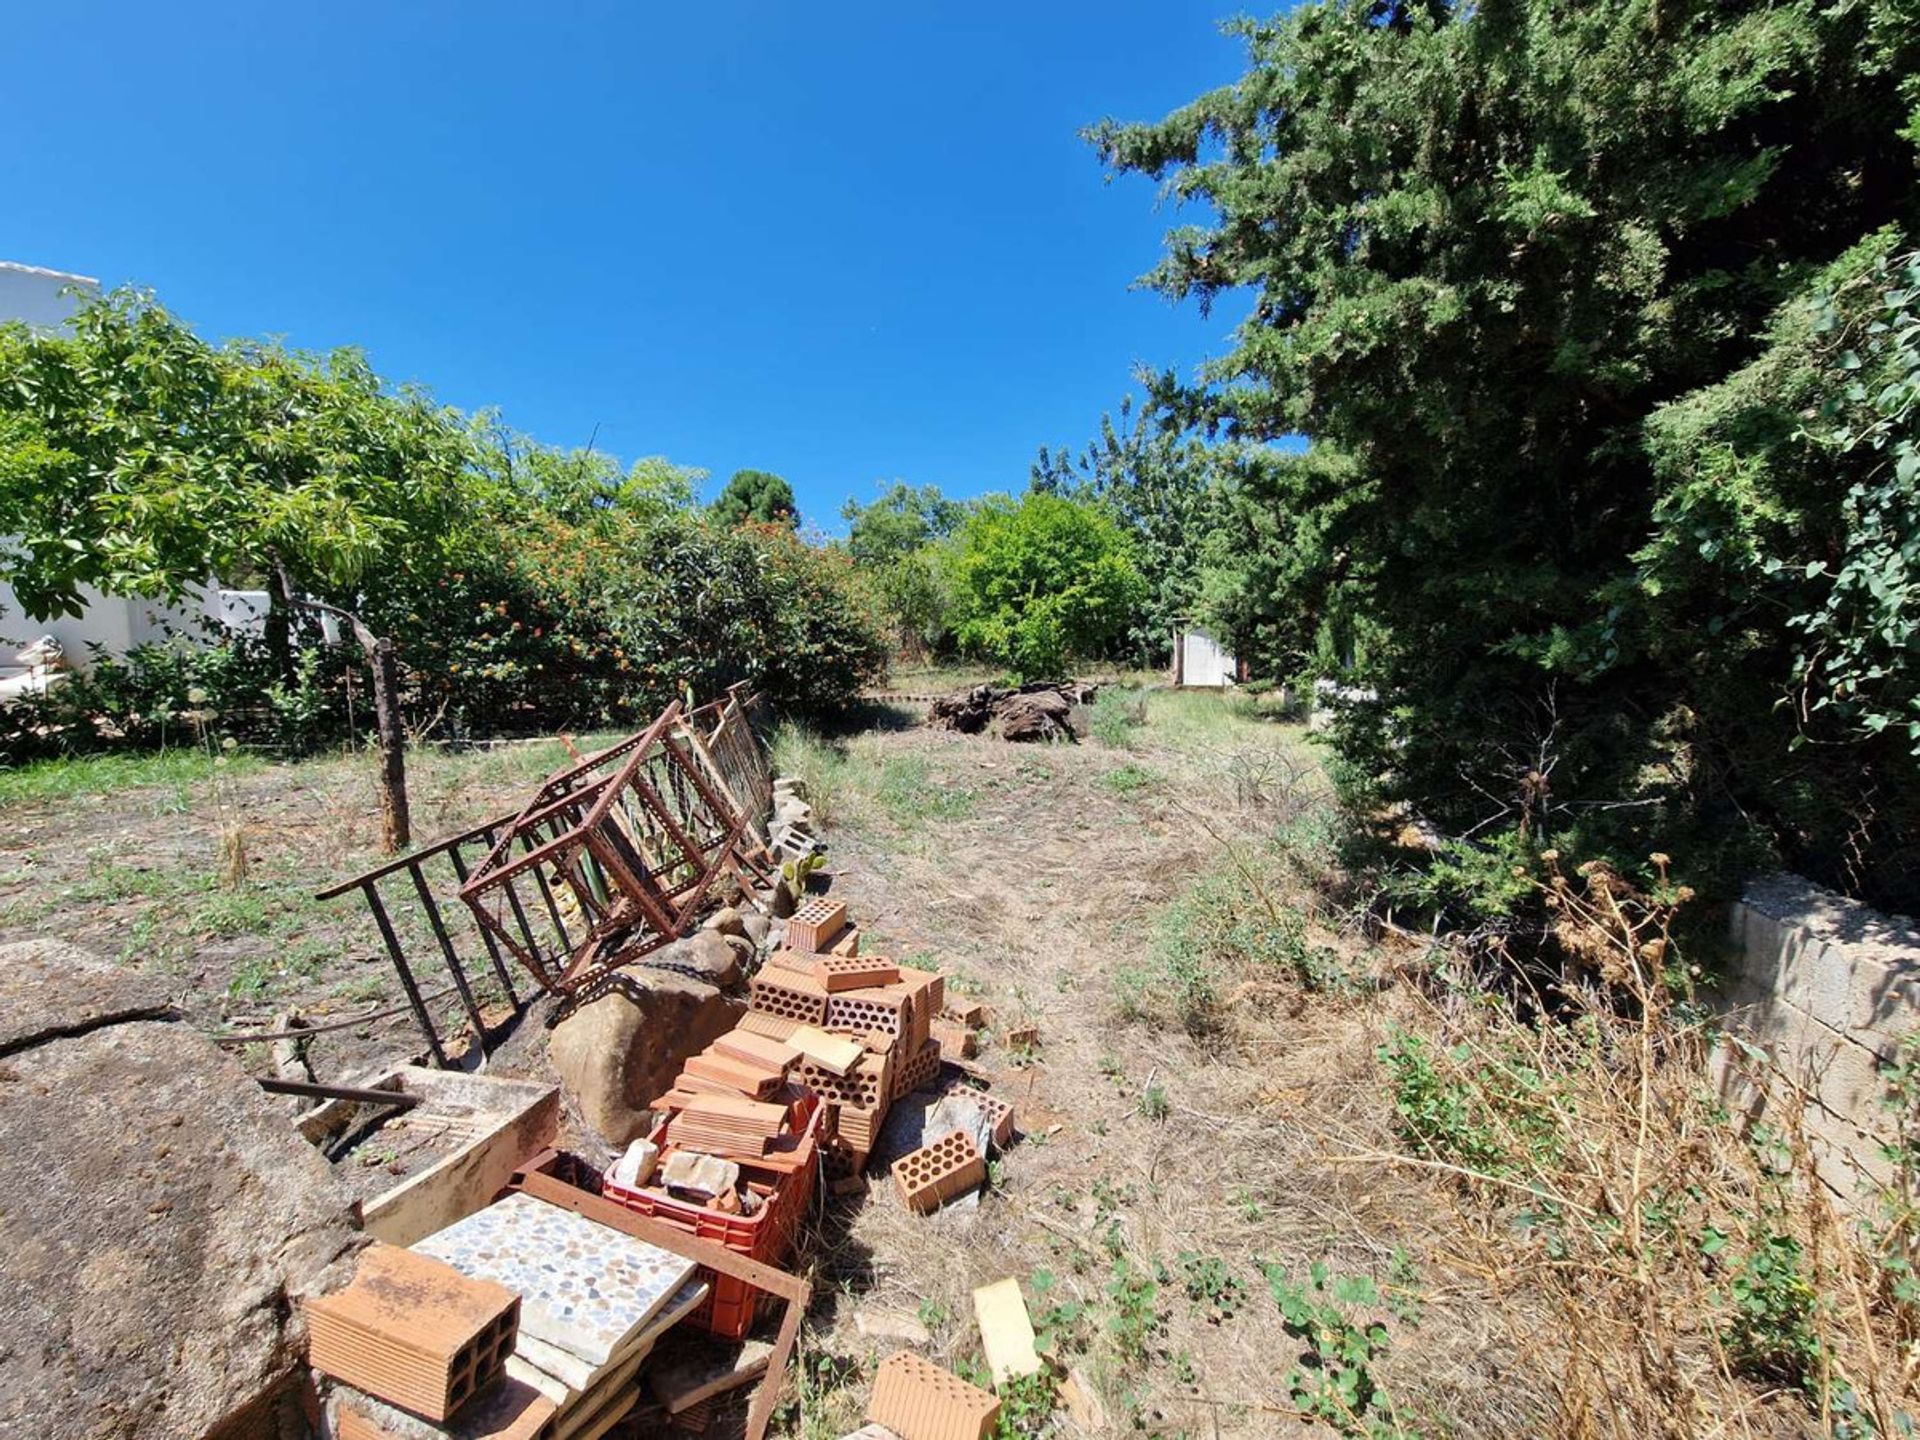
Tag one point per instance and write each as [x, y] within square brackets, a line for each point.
[1128, 779]
[911, 796]
[78, 775]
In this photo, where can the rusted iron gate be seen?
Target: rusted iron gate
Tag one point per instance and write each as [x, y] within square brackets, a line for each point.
[707, 770]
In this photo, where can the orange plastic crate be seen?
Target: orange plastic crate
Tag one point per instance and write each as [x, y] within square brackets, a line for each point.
[732, 1304]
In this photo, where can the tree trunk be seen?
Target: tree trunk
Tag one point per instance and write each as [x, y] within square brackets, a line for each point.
[397, 826]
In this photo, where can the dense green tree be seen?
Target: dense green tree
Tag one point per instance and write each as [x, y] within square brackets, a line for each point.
[138, 458]
[902, 520]
[1172, 492]
[897, 542]
[1490, 249]
[1041, 582]
[758, 497]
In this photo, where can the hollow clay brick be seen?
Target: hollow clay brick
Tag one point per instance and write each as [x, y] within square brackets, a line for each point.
[413, 1331]
[955, 1039]
[917, 1071]
[851, 972]
[917, 1400]
[815, 923]
[888, 1009]
[867, 1086]
[790, 994]
[932, 1175]
[848, 943]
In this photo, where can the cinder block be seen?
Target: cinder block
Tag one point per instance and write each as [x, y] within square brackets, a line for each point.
[932, 1175]
[917, 1400]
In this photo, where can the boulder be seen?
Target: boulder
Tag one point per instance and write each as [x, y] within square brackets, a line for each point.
[159, 1219]
[713, 953]
[754, 926]
[727, 921]
[617, 1052]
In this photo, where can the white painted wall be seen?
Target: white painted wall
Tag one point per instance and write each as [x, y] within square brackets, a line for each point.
[110, 622]
[37, 296]
[1827, 989]
[1203, 663]
[44, 299]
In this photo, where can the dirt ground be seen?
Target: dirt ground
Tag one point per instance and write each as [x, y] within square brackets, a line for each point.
[1158, 1169]
[1199, 1142]
[139, 861]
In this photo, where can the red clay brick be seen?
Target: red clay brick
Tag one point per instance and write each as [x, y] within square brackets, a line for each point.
[412, 1331]
[918, 1071]
[917, 1400]
[888, 1009]
[815, 924]
[851, 972]
[932, 1175]
[955, 1039]
[790, 994]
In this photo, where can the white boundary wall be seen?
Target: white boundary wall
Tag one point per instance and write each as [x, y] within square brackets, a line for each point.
[1828, 988]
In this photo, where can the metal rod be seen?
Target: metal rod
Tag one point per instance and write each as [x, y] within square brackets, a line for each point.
[453, 958]
[486, 935]
[398, 1099]
[407, 983]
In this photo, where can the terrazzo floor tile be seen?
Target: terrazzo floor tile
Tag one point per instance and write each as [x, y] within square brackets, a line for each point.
[583, 1287]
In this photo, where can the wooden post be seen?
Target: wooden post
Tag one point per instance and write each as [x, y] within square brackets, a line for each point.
[396, 825]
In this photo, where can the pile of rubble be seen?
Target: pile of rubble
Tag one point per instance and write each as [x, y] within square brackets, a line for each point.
[523, 1291]
[1039, 711]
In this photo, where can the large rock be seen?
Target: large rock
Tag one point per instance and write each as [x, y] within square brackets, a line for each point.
[617, 1052]
[159, 1219]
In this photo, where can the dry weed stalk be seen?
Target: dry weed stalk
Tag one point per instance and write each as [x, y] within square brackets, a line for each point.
[1705, 1284]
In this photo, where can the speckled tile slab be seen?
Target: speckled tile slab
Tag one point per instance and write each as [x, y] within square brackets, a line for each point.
[583, 1287]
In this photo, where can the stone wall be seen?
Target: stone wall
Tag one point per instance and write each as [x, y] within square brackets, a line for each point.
[1827, 988]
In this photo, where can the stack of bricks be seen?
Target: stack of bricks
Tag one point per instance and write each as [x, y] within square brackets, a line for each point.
[413, 1332]
[820, 980]
[917, 1400]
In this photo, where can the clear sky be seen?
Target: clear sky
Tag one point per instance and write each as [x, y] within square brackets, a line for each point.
[848, 242]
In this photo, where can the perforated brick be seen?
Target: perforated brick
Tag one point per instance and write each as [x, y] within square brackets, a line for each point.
[930, 985]
[867, 1086]
[852, 972]
[815, 923]
[932, 1175]
[886, 1008]
[790, 995]
[917, 1071]
[916, 1398]
[1001, 1111]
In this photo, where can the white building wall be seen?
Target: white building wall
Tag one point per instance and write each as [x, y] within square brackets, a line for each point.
[46, 299]
[39, 297]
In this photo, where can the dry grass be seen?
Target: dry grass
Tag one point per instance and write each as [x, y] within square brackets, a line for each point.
[1195, 1108]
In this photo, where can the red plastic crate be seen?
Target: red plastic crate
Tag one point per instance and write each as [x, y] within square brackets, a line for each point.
[732, 1304]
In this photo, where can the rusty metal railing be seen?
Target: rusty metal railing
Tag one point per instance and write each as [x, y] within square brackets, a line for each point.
[612, 858]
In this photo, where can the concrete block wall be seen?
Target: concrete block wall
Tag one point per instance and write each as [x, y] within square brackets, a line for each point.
[1827, 988]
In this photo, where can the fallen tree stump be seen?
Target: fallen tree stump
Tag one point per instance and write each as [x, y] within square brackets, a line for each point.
[1042, 710]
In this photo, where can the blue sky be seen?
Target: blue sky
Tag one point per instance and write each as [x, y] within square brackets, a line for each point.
[848, 242]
